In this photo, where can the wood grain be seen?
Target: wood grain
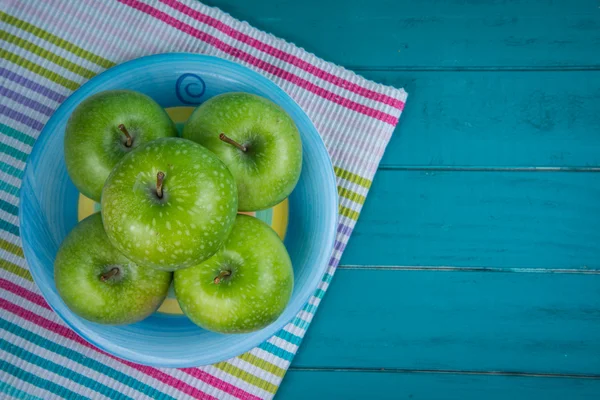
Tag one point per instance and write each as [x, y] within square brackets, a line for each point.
[438, 34]
[361, 385]
[496, 119]
[479, 219]
[471, 321]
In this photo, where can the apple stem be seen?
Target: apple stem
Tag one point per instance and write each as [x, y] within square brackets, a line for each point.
[127, 135]
[109, 274]
[160, 177]
[219, 278]
[227, 139]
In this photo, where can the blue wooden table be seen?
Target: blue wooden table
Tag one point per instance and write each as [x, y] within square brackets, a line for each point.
[474, 270]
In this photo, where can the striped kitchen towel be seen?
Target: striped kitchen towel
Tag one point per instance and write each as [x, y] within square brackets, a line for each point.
[48, 49]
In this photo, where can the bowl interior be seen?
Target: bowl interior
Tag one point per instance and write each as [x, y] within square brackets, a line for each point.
[48, 209]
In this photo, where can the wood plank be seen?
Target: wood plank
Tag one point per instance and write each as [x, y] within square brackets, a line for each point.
[433, 33]
[501, 119]
[479, 219]
[397, 386]
[479, 118]
[475, 321]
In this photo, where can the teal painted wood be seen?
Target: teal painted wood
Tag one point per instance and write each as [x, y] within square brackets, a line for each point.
[460, 321]
[328, 385]
[392, 34]
[496, 119]
[495, 87]
[480, 219]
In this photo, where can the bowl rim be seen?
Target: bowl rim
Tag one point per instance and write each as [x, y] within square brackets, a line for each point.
[258, 336]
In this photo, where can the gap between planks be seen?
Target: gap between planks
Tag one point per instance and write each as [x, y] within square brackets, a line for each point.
[447, 372]
[443, 268]
[396, 167]
[557, 68]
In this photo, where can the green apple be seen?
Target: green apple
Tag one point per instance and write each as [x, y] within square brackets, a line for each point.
[256, 139]
[242, 288]
[98, 283]
[169, 204]
[105, 127]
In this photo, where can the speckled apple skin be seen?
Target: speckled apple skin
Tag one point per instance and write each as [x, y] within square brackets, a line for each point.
[86, 253]
[268, 172]
[94, 143]
[256, 292]
[190, 222]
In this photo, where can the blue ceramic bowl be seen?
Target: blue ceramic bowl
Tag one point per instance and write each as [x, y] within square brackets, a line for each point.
[48, 209]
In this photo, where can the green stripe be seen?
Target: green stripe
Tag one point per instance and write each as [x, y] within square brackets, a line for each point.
[13, 133]
[48, 55]
[8, 188]
[14, 153]
[347, 212]
[11, 248]
[16, 393]
[9, 169]
[48, 365]
[37, 381]
[349, 176]
[55, 40]
[41, 71]
[84, 360]
[350, 195]
[263, 364]
[15, 269]
[246, 376]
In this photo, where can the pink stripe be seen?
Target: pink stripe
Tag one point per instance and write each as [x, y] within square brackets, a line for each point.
[216, 382]
[22, 292]
[153, 372]
[69, 334]
[239, 54]
[282, 55]
[76, 22]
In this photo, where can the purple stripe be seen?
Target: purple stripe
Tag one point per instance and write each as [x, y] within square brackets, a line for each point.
[333, 262]
[344, 229]
[36, 87]
[27, 102]
[339, 246]
[22, 118]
